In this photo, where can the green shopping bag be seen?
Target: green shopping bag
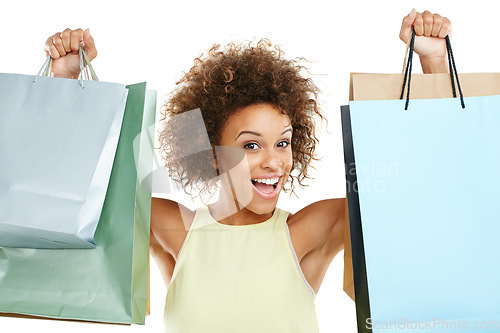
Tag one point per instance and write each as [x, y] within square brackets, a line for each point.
[109, 283]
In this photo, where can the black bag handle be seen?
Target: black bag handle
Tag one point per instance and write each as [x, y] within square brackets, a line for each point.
[451, 63]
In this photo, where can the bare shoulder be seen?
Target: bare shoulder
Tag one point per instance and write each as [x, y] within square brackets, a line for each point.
[170, 222]
[318, 227]
[169, 214]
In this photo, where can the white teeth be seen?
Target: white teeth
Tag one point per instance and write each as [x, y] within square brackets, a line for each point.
[268, 181]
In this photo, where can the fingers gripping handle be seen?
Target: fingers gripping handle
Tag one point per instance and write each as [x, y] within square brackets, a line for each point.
[84, 60]
[452, 66]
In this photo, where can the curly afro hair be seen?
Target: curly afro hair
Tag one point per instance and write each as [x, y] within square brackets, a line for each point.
[219, 84]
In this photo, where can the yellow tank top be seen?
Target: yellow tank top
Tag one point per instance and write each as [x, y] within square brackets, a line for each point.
[239, 279]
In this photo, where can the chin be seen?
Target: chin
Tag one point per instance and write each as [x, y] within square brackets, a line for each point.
[261, 206]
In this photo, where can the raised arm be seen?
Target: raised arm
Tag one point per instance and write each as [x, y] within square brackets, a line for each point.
[321, 225]
[430, 45]
[169, 220]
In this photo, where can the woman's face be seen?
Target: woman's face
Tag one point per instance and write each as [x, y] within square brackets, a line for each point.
[256, 156]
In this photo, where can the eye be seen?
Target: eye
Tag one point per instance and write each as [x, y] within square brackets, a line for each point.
[284, 143]
[251, 146]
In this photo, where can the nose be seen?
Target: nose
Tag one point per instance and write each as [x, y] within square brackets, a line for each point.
[271, 160]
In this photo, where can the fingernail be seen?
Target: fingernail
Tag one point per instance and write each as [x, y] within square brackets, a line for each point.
[413, 11]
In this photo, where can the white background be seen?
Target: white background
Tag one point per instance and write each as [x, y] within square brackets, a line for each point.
[155, 41]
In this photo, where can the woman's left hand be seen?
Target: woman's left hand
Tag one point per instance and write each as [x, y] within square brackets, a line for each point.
[430, 45]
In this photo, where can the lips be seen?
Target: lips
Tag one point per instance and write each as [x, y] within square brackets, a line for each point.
[262, 190]
[266, 188]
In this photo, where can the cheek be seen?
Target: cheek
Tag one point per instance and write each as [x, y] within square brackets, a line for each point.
[253, 161]
[240, 173]
[229, 157]
[287, 161]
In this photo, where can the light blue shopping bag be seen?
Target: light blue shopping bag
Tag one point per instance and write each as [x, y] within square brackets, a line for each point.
[58, 139]
[428, 189]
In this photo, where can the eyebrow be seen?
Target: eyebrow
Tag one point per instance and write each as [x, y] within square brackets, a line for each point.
[258, 134]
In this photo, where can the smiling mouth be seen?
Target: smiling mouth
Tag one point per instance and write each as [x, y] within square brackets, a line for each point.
[266, 185]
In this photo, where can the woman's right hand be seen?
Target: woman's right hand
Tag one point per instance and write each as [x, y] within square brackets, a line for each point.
[63, 47]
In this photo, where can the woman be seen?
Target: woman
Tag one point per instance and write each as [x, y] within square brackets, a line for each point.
[242, 264]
